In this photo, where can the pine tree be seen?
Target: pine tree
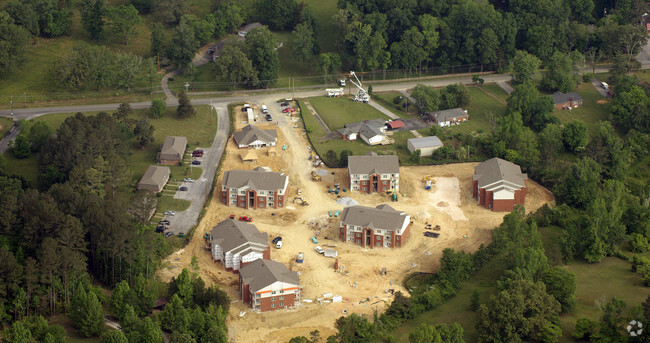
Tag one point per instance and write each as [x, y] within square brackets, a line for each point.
[86, 312]
[185, 108]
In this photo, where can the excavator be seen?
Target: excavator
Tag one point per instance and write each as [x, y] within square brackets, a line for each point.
[428, 181]
[303, 202]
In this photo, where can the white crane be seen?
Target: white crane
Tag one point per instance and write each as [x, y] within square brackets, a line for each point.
[361, 95]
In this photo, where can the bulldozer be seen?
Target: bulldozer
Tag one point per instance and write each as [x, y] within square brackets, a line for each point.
[314, 176]
[303, 202]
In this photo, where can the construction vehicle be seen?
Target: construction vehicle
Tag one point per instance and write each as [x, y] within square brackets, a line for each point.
[428, 181]
[334, 92]
[314, 176]
[303, 202]
[361, 95]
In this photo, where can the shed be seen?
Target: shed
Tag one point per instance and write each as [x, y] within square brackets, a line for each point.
[249, 157]
[395, 124]
[426, 145]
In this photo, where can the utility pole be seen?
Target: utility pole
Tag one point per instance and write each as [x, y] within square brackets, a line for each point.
[12, 105]
[187, 85]
[293, 89]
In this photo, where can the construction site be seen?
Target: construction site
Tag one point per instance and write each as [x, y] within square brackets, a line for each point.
[358, 279]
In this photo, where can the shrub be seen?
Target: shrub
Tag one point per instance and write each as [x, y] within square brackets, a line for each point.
[159, 194]
[587, 77]
[158, 108]
[398, 100]
[638, 243]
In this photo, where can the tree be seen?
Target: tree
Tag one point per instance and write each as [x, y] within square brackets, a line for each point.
[517, 313]
[143, 132]
[128, 68]
[561, 284]
[638, 243]
[262, 50]
[119, 299]
[19, 333]
[178, 337]
[630, 109]
[611, 321]
[184, 109]
[559, 74]
[426, 99]
[86, 312]
[550, 141]
[584, 329]
[302, 43]
[343, 158]
[92, 17]
[608, 150]
[123, 20]
[20, 146]
[158, 108]
[355, 328]
[38, 134]
[454, 95]
[174, 317]
[524, 67]
[234, 66]
[170, 11]
[415, 156]
[183, 45]
[426, 333]
[330, 158]
[277, 14]
[327, 63]
[113, 336]
[574, 135]
[14, 40]
[123, 112]
[157, 39]
[536, 110]
[577, 186]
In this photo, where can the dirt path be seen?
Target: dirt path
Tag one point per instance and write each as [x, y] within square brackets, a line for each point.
[505, 86]
[318, 118]
[492, 95]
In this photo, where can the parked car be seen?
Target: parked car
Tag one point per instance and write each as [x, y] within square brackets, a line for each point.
[245, 219]
[170, 213]
[278, 245]
[197, 153]
[189, 179]
[196, 163]
[265, 109]
[284, 104]
[232, 216]
[276, 239]
[288, 110]
[160, 229]
[169, 233]
[269, 118]
[164, 222]
[319, 250]
[182, 189]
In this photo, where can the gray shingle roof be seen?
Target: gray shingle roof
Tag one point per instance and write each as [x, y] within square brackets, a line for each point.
[369, 131]
[155, 175]
[559, 97]
[173, 147]
[425, 142]
[256, 179]
[230, 234]
[495, 170]
[446, 115]
[262, 273]
[250, 134]
[382, 217]
[372, 163]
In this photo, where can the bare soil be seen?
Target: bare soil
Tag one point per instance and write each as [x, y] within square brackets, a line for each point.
[465, 226]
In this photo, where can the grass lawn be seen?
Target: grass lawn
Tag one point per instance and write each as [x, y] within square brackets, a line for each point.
[481, 103]
[5, 125]
[27, 167]
[386, 100]
[457, 309]
[496, 90]
[336, 112]
[591, 112]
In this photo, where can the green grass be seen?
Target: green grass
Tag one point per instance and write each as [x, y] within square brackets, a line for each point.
[386, 100]
[168, 203]
[5, 125]
[27, 167]
[591, 112]
[480, 104]
[496, 90]
[336, 112]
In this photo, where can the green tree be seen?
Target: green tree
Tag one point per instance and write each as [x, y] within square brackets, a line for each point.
[14, 40]
[426, 98]
[559, 75]
[611, 321]
[158, 108]
[524, 67]
[123, 112]
[277, 14]
[123, 20]
[630, 109]
[38, 135]
[128, 67]
[574, 135]
[92, 17]
[158, 40]
[261, 47]
[185, 108]
[327, 63]
[550, 141]
[561, 284]
[638, 243]
[455, 95]
[576, 187]
[608, 150]
[170, 11]
[355, 328]
[143, 132]
[426, 333]
[343, 158]
[19, 333]
[183, 45]
[150, 331]
[20, 146]
[113, 336]
[175, 317]
[331, 159]
[86, 312]
[234, 66]
[302, 43]
[585, 328]
[415, 156]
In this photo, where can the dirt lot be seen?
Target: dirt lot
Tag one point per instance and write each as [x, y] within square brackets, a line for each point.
[464, 224]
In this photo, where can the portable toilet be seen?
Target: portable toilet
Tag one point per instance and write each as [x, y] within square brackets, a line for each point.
[336, 214]
[301, 257]
[330, 213]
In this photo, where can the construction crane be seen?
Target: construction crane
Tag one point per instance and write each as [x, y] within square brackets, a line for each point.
[361, 95]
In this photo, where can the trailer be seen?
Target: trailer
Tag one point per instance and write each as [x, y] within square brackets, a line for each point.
[331, 253]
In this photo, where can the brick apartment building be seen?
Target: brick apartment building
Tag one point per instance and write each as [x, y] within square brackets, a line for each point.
[499, 184]
[251, 189]
[267, 285]
[236, 244]
[373, 173]
[381, 226]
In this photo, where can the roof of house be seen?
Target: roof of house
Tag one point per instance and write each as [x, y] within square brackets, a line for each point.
[257, 179]
[372, 163]
[496, 170]
[370, 131]
[155, 175]
[381, 217]
[250, 134]
[395, 124]
[250, 155]
[230, 234]
[262, 273]
[174, 145]
[446, 115]
[249, 27]
[357, 126]
[559, 97]
[425, 142]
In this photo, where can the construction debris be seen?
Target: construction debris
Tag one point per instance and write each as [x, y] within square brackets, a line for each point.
[347, 201]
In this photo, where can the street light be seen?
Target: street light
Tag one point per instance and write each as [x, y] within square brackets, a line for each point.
[187, 85]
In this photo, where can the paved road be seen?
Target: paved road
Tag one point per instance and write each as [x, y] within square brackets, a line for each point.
[505, 86]
[11, 135]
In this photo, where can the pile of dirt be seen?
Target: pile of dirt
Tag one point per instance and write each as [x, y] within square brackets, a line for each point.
[442, 204]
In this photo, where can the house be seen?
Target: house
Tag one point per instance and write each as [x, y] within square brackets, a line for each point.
[253, 137]
[381, 226]
[251, 189]
[426, 145]
[371, 135]
[249, 157]
[566, 100]
[351, 131]
[154, 179]
[450, 117]
[499, 184]
[395, 124]
[172, 150]
[236, 244]
[267, 285]
[373, 173]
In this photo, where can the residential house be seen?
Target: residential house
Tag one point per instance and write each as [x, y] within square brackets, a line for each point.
[381, 226]
[267, 285]
[450, 117]
[253, 137]
[373, 173]
[373, 131]
[251, 189]
[236, 244]
[154, 179]
[426, 145]
[566, 100]
[499, 184]
[172, 150]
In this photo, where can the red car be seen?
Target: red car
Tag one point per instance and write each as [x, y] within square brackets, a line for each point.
[245, 219]
[197, 153]
[288, 109]
[232, 216]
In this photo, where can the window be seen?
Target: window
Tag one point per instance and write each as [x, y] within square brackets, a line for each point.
[242, 204]
[281, 304]
[397, 238]
[281, 291]
[270, 198]
[272, 305]
[385, 182]
[364, 189]
[358, 241]
[273, 299]
[378, 231]
[282, 297]
[378, 244]
[273, 292]
[270, 192]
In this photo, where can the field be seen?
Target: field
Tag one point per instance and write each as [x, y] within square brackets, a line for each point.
[481, 103]
[594, 108]
[336, 112]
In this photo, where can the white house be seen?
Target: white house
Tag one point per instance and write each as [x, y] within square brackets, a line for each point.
[236, 244]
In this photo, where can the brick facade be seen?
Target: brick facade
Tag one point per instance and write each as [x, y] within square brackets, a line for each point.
[262, 201]
[368, 238]
[486, 198]
[367, 186]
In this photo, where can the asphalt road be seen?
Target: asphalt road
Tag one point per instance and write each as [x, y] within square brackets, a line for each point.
[11, 135]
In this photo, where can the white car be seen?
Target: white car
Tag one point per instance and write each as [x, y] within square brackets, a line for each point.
[170, 213]
[319, 250]
[278, 245]
[189, 179]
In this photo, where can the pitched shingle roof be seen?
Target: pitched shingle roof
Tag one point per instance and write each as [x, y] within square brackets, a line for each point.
[155, 175]
[560, 98]
[372, 163]
[495, 170]
[446, 115]
[262, 273]
[250, 134]
[382, 217]
[230, 234]
[425, 142]
[256, 179]
[173, 147]
[369, 131]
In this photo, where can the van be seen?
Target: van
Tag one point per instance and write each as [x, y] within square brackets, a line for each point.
[265, 110]
[604, 85]
[278, 245]
[342, 82]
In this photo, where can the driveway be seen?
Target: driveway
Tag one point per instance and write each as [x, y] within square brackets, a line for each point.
[598, 87]
[11, 135]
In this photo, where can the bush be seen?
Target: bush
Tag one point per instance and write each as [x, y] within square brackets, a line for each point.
[638, 243]
[159, 194]
[158, 108]
[398, 100]
[587, 77]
